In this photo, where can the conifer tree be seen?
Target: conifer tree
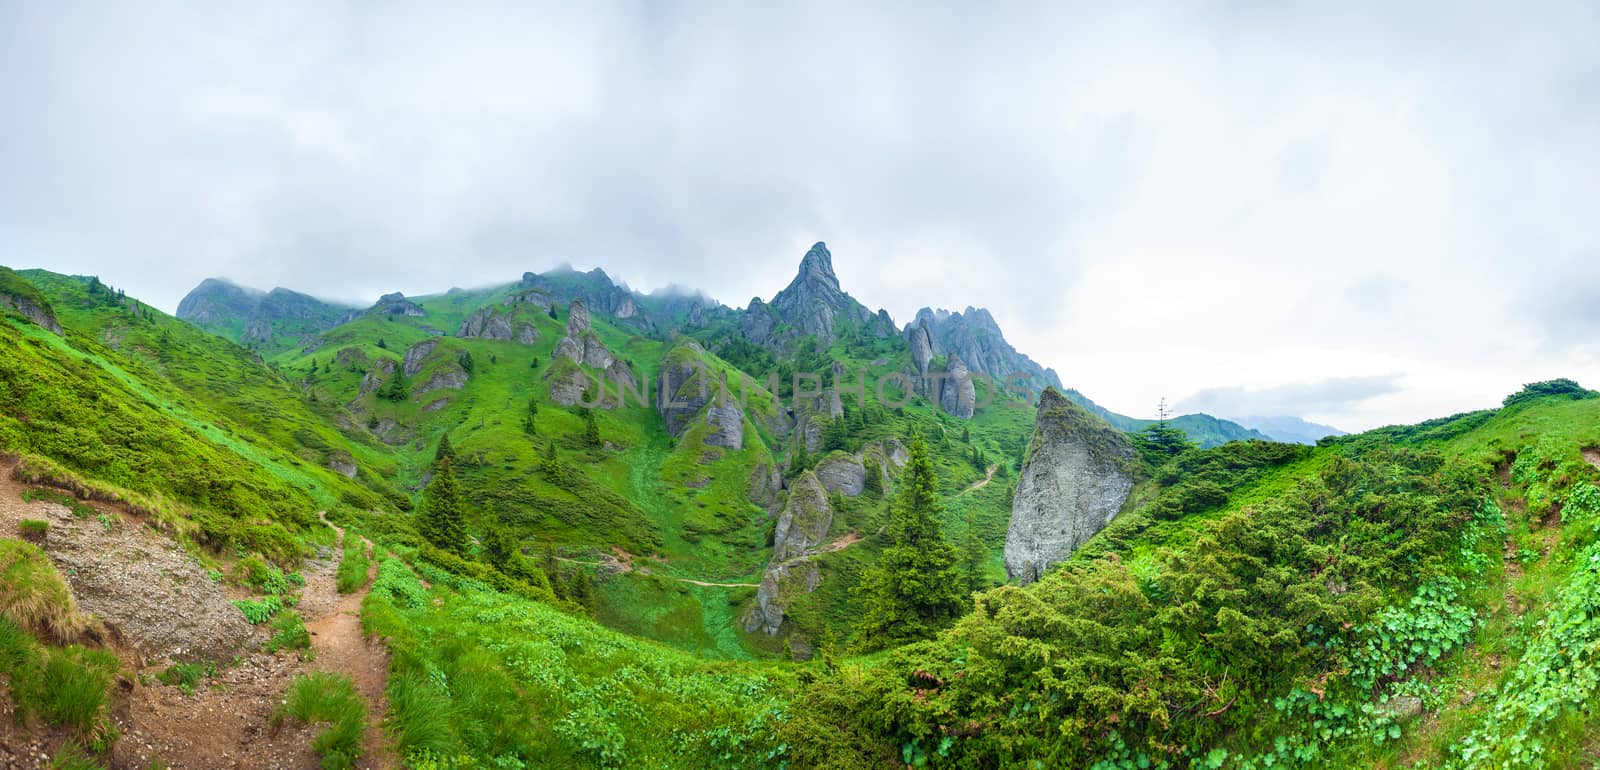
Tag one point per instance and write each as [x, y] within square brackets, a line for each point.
[552, 464]
[591, 429]
[874, 483]
[530, 421]
[440, 518]
[444, 449]
[915, 589]
[972, 555]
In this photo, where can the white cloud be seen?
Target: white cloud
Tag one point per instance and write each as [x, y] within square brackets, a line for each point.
[1161, 200]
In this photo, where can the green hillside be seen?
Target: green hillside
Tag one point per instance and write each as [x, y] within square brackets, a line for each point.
[1418, 596]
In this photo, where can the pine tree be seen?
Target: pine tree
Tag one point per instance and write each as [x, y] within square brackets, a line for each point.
[530, 421]
[972, 555]
[382, 345]
[444, 449]
[591, 429]
[501, 549]
[874, 483]
[915, 589]
[1160, 440]
[440, 518]
[395, 389]
[966, 435]
[552, 464]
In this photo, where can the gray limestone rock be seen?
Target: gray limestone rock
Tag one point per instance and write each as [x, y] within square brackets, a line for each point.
[1074, 482]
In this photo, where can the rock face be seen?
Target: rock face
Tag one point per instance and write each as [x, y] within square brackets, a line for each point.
[377, 375]
[780, 584]
[397, 304]
[19, 295]
[417, 355]
[805, 520]
[727, 422]
[845, 475]
[957, 396]
[581, 344]
[1074, 482]
[802, 526]
[489, 324]
[921, 341]
[596, 291]
[446, 376]
[975, 337]
[812, 304]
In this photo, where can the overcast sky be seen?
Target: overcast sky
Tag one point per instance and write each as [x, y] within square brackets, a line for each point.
[1359, 215]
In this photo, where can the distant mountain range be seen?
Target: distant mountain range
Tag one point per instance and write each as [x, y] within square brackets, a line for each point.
[947, 348]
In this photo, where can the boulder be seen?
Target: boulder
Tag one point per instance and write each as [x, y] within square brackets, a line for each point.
[1074, 482]
[843, 474]
[805, 519]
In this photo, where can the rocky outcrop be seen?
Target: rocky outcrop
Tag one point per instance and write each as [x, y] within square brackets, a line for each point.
[568, 385]
[805, 519]
[1075, 480]
[537, 297]
[813, 301]
[843, 474]
[397, 304]
[802, 526]
[974, 336]
[417, 356]
[342, 464]
[377, 375]
[18, 295]
[580, 344]
[921, 341]
[596, 291]
[448, 376]
[489, 324]
[727, 423]
[766, 487]
[957, 395]
[684, 386]
[781, 584]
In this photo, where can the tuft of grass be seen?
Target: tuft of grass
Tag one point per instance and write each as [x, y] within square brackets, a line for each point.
[353, 568]
[289, 633]
[72, 756]
[187, 676]
[324, 698]
[34, 530]
[79, 509]
[34, 596]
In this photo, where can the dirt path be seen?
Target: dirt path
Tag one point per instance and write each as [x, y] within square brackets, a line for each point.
[225, 721]
[977, 485]
[622, 566]
[341, 648]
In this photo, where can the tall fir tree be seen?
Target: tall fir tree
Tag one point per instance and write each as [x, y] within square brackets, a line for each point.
[440, 518]
[591, 428]
[444, 450]
[530, 421]
[915, 589]
[972, 555]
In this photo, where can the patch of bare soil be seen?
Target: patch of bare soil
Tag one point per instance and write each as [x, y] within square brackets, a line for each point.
[1592, 456]
[160, 600]
[164, 604]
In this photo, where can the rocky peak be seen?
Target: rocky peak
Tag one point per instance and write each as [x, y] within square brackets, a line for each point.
[974, 335]
[577, 318]
[811, 304]
[1077, 476]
